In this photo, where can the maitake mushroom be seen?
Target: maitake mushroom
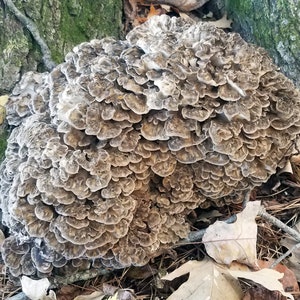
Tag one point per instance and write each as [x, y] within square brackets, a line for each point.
[113, 148]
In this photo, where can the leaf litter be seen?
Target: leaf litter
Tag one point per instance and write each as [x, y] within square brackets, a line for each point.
[235, 241]
[283, 201]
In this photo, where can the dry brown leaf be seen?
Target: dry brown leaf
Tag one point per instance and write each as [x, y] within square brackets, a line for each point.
[207, 280]
[258, 292]
[289, 280]
[236, 241]
[68, 292]
[293, 262]
[141, 272]
[184, 5]
[268, 278]
[98, 295]
[208, 216]
[152, 12]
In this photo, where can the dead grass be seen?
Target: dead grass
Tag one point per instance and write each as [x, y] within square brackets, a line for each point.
[7, 288]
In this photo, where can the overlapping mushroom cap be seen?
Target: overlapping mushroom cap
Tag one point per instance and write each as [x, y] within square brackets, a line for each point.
[114, 147]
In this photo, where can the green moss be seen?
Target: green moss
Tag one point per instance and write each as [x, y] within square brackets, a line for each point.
[238, 6]
[84, 20]
[252, 20]
[267, 23]
[62, 25]
[273, 25]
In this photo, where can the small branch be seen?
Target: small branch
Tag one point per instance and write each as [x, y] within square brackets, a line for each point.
[292, 232]
[49, 63]
[19, 296]
[282, 257]
[195, 236]
[79, 276]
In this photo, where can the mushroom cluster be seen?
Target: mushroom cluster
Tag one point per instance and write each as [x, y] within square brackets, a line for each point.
[117, 145]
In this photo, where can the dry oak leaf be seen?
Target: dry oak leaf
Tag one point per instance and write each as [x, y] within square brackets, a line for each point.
[152, 12]
[207, 280]
[37, 289]
[293, 262]
[266, 277]
[289, 280]
[97, 295]
[236, 241]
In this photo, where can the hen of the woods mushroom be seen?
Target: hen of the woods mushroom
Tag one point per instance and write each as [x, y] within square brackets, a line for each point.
[117, 145]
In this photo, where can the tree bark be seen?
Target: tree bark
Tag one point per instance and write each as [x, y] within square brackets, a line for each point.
[61, 25]
[274, 25]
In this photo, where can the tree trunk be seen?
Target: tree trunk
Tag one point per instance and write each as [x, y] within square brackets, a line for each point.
[274, 25]
[61, 24]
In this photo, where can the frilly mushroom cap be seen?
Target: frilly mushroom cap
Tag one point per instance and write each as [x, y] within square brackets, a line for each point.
[114, 148]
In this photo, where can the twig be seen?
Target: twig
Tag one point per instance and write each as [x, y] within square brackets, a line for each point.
[49, 63]
[283, 256]
[19, 296]
[292, 232]
[195, 236]
[84, 276]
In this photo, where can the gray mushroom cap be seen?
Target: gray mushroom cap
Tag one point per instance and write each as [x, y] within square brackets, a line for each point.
[114, 148]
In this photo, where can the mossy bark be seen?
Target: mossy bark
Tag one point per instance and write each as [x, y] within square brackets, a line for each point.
[62, 24]
[274, 25]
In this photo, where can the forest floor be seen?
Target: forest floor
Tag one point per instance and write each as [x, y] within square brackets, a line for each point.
[280, 196]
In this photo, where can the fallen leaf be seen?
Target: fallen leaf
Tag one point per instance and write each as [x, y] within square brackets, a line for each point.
[68, 292]
[268, 278]
[3, 101]
[289, 280]
[98, 295]
[236, 241]
[258, 292]
[187, 5]
[295, 164]
[2, 238]
[109, 289]
[114, 297]
[123, 294]
[141, 272]
[207, 280]
[37, 289]
[207, 216]
[222, 23]
[293, 262]
[152, 12]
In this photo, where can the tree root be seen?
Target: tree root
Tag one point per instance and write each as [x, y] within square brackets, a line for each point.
[48, 62]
